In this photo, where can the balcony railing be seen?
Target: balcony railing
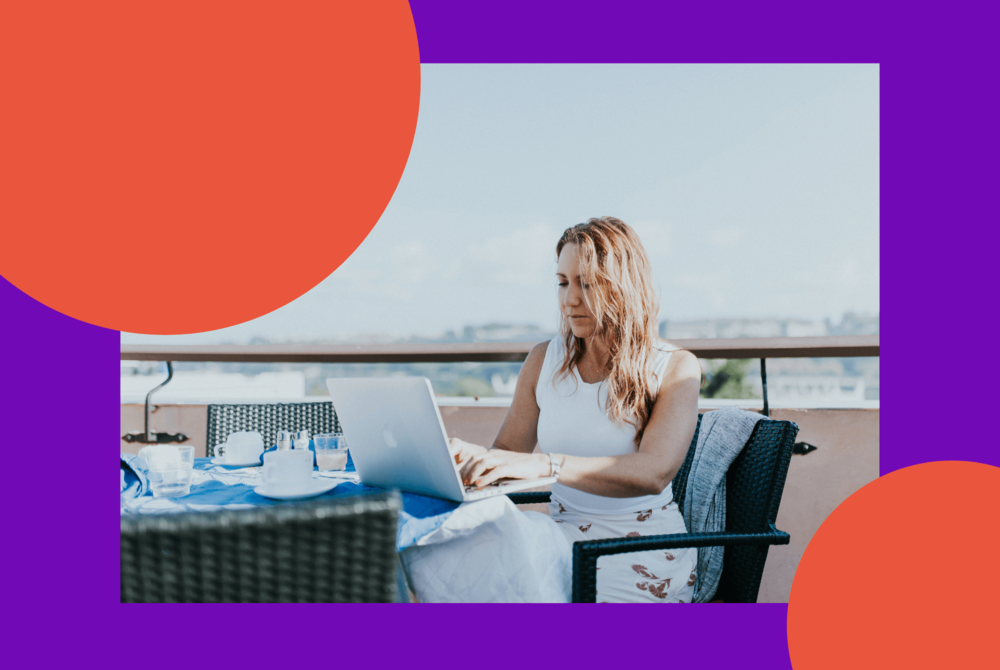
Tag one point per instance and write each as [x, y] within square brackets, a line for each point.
[513, 352]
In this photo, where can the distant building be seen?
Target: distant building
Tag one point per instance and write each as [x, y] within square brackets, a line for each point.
[855, 324]
[501, 387]
[504, 332]
[192, 387]
[728, 328]
[815, 388]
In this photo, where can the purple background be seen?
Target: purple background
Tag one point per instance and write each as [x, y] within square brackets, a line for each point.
[939, 140]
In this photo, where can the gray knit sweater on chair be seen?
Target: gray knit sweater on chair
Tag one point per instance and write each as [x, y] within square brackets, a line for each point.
[721, 438]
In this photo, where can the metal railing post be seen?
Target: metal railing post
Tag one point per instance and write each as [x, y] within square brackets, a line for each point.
[147, 436]
[763, 379]
[170, 375]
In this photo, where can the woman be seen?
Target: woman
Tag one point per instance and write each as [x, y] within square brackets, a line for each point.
[612, 409]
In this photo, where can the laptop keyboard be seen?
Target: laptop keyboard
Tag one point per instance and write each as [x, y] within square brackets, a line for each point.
[491, 489]
[491, 485]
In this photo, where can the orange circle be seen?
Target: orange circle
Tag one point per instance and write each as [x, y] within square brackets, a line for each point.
[185, 166]
[903, 574]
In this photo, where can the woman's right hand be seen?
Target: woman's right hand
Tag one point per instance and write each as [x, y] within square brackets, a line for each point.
[462, 451]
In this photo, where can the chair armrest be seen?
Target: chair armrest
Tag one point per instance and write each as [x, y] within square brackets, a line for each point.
[529, 497]
[585, 554]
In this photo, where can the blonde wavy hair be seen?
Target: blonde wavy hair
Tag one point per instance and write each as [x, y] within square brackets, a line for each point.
[621, 297]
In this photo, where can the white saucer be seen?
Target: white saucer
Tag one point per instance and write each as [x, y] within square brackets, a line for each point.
[314, 488]
[220, 460]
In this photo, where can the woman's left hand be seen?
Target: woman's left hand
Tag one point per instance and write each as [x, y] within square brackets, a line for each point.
[462, 451]
[483, 469]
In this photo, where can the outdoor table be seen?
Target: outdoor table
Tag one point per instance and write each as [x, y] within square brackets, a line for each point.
[218, 487]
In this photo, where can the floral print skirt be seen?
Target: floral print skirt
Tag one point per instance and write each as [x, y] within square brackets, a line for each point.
[662, 576]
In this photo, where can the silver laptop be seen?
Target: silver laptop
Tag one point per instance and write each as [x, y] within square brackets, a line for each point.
[397, 438]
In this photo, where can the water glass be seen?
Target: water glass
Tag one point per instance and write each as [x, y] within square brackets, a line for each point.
[169, 469]
[331, 451]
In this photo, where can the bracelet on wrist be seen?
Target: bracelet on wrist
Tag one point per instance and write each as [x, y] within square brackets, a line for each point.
[554, 466]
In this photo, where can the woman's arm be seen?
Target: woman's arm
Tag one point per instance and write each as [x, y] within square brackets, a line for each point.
[519, 430]
[664, 445]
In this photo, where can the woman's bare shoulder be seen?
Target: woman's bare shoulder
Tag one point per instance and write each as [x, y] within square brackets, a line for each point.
[535, 358]
[664, 345]
[532, 368]
[682, 363]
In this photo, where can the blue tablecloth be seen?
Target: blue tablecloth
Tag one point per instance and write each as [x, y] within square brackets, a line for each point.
[216, 487]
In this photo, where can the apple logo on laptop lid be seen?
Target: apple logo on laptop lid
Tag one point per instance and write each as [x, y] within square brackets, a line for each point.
[389, 438]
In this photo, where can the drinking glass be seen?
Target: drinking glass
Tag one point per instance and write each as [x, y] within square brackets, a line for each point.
[169, 469]
[331, 451]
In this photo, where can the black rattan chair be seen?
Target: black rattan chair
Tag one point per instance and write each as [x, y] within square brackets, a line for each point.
[332, 550]
[268, 419]
[754, 484]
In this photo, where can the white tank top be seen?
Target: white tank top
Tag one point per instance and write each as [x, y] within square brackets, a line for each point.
[573, 420]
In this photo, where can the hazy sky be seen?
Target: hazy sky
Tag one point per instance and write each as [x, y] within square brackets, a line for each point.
[755, 189]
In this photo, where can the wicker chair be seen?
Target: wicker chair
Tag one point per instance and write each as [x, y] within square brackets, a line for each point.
[268, 419]
[328, 550]
[754, 485]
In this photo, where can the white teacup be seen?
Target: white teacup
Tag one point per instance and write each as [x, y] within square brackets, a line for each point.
[287, 470]
[242, 447]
